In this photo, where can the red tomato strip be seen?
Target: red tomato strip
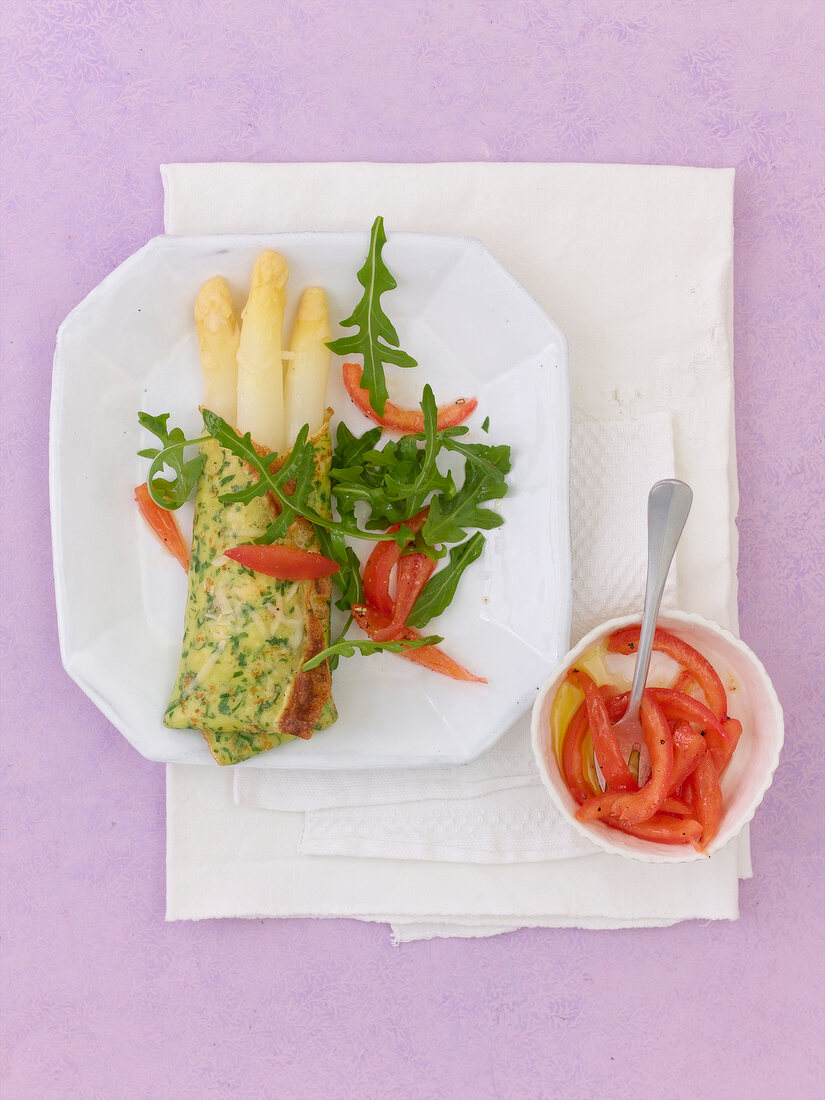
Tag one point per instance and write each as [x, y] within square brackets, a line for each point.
[707, 798]
[677, 806]
[382, 561]
[286, 563]
[688, 747]
[163, 525]
[733, 730]
[663, 829]
[626, 640]
[684, 682]
[677, 705]
[602, 807]
[414, 570]
[431, 657]
[599, 807]
[641, 805]
[404, 420]
[617, 775]
[377, 573]
[571, 760]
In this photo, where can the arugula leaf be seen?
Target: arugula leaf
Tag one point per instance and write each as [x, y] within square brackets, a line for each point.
[375, 330]
[333, 660]
[348, 578]
[493, 460]
[448, 520]
[165, 493]
[439, 590]
[349, 448]
[396, 480]
[348, 647]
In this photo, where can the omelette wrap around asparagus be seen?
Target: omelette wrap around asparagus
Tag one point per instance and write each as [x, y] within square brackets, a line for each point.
[246, 635]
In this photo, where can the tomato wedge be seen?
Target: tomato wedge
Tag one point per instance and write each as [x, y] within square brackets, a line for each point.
[163, 525]
[684, 682]
[688, 747]
[404, 420]
[677, 806]
[617, 775]
[414, 570]
[626, 640]
[431, 657]
[382, 561]
[572, 755]
[286, 563]
[707, 799]
[676, 705]
[602, 807]
[664, 829]
[377, 572]
[733, 731]
[641, 805]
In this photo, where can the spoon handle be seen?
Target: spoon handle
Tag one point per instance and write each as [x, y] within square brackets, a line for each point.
[668, 506]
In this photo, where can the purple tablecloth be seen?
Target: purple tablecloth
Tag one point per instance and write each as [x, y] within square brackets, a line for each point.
[99, 996]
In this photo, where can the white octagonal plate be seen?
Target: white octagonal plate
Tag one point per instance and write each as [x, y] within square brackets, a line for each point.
[130, 346]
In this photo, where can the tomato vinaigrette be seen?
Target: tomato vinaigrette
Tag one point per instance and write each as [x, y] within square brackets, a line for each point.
[689, 739]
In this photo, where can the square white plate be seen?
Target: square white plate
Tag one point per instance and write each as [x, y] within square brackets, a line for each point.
[131, 345]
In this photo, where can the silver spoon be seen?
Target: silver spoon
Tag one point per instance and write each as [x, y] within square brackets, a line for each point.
[668, 505]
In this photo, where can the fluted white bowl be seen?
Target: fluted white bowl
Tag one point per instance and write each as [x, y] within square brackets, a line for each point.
[751, 699]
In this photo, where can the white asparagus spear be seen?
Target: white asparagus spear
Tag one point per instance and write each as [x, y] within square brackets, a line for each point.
[260, 366]
[305, 383]
[218, 335]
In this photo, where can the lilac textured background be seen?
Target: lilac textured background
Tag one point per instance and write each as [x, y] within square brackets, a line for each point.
[100, 997]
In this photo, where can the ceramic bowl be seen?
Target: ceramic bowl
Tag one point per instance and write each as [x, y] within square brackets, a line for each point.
[751, 698]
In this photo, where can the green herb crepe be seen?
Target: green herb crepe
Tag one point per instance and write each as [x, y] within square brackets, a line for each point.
[246, 635]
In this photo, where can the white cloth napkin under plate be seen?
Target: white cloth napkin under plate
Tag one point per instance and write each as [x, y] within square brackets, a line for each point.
[634, 263]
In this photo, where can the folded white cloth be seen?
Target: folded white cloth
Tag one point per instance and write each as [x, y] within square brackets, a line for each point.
[225, 861]
[635, 264]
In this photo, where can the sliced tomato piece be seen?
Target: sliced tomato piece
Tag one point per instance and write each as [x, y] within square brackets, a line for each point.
[617, 775]
[431, 657]
[664, 829]
[404, 420]
[641, 805]
[414, 570]
[286, 563]
[688, 747]
[603, 808]
[571, 762]
[707, 798]
[684, 682]
[676, 705]
[677, 806]
[382, 561]
[626, 640]
[599, 807]
[733, 731]
[163, 525]
[377, 573]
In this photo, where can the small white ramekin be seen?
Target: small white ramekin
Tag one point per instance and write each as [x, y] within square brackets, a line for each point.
[751, 698]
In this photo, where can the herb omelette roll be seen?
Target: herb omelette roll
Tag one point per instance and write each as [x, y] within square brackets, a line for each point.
[246, 635]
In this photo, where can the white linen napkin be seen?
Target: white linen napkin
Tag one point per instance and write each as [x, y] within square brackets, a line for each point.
[634, 263]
